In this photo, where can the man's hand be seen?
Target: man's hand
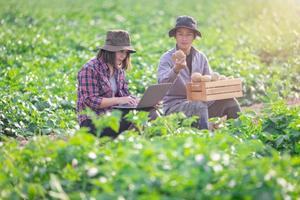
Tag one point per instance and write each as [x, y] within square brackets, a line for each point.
[179, 59]
[179, 64]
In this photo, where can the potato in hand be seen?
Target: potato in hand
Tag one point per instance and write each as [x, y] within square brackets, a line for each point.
[178, 55]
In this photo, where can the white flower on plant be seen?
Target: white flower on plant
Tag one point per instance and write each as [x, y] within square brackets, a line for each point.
[226, 159]
[135, 118]
[215, 156]
[48, 159]
[131, 139]
[287, 197]
[217, 168]
[188, 144]
[92, 155]
[285, 185]
[121, 137]
[290, 187]
[107, 158]
[74, 162]
[131, 186]
[269, 175]
[138, 146]
[233, 150]
[121, 198]
[103, 179]
[199, 158]
[166, 166]
[162, 156]
[93, 171]
[282, 182]
[232, 183]
[209, 187]
[253, 136]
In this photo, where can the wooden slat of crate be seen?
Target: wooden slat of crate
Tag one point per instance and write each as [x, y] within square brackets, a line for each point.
[198, 96]
[195, 87]
[219, 96]
[222, 83]
[194, 96]
[230, 88]
[214, 84]
[189, 91]
[207, 91]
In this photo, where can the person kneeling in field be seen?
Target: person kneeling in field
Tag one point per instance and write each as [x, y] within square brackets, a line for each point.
[102, 83]
[177, 66]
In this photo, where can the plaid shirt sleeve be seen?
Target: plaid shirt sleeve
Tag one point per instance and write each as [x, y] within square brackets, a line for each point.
[89, 88]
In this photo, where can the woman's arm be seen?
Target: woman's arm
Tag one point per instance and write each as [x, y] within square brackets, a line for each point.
[108, 102]
[89, 88]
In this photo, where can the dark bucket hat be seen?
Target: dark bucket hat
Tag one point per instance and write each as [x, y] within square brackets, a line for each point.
[185, 22]
[117, 40]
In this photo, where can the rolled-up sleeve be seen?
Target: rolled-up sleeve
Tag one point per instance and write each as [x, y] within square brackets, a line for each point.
[89, 88]
[166, 73]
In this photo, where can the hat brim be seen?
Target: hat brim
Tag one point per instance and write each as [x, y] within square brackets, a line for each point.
[118, 48]
[173, 31]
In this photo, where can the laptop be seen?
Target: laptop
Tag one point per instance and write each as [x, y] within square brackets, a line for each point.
[153, 94]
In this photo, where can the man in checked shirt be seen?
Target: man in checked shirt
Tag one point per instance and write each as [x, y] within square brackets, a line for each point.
[102, 83]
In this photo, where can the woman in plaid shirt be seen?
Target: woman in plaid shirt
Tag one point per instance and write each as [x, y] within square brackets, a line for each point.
[102, 83]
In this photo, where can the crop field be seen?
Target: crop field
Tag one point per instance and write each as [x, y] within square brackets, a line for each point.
[44, 154]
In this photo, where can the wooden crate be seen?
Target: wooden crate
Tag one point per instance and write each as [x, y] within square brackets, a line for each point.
[214, 90]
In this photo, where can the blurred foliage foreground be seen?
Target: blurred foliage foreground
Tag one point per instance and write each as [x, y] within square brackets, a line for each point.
[43, 44]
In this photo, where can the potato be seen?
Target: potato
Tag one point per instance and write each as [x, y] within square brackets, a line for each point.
[174, 57]
[205, 78]
[215, 76]
[196, 77]
[178, 55]
[222, 77]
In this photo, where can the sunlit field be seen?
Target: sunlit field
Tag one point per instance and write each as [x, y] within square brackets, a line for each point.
[44, 155]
